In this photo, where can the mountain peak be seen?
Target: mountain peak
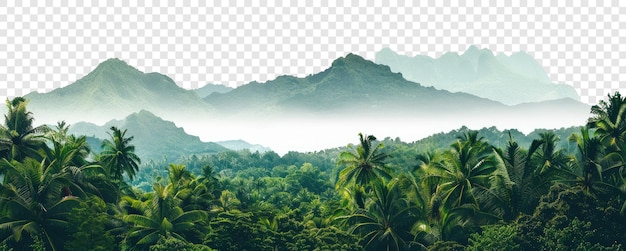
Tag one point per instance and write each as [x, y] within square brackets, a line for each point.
[360, 64]
[472, 48]
[387, 50]
[115, 89]
[359, 67]
[348, 60]
[116, 65]
[114, 62]
[144, 113]
[352, 56]
[514, 79]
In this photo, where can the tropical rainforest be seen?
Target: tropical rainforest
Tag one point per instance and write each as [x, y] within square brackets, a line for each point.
[465, 192]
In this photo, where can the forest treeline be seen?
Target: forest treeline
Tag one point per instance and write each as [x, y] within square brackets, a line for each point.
[552, 193]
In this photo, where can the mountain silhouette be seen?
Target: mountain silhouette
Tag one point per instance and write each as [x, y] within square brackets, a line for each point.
[113, 90]
[510, 80]
[350, 85]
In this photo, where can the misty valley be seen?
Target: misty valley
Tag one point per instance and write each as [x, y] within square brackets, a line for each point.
[463, 152]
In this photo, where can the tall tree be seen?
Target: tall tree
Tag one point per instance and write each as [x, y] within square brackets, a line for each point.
[118, 155]
[609, 120]
[18, 138]
[468, 187]
[544, 155]
[520, 186]
[69, 158]
[466, 169]
[546, 164]
[363, 165]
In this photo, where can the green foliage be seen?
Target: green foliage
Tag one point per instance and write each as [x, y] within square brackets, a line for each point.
[467, 186]
[161, 216]
[495, 137]
[495, 237]
[329, 238]
[386, 220]
[18, 138]
[446, 246]
[87, 224]
[235, 230]
[581, 218]
[170, 243]
[565, 234]
[32, 203]
[471, 193]
[609, 120]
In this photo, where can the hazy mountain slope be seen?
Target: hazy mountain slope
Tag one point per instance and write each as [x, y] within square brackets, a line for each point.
[207, 89]
[154, 138]
[510, 80]
[114, 90]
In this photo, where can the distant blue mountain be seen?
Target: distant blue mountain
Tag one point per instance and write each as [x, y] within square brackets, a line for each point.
[510, 80]
[208, 89]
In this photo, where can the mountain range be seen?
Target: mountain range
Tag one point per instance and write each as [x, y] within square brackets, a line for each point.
[325, 109]
[351, 85]
[510, 80]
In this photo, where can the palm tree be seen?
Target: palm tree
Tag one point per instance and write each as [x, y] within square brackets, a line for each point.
[118, 155]
[544, 155]
[60, 134]
[545, 165]
[178, 176]
[468, 187]
[69, 158]
[199, 193]
[386, 221]
[513, 157]
[33, 205]
[467, 169]
[364, 165]
[191, 192]
[161, 217]
[591, 165]
[609, 120]
[18, 138]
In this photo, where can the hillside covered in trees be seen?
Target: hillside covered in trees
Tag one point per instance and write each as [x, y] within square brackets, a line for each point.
[462, 193]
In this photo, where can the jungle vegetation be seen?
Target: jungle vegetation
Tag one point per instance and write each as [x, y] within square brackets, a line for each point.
[553, 193]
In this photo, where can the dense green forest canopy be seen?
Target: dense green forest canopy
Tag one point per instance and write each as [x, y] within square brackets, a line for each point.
[466, 190]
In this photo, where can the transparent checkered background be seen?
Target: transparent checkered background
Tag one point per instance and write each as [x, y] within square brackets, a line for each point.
[45, 45]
